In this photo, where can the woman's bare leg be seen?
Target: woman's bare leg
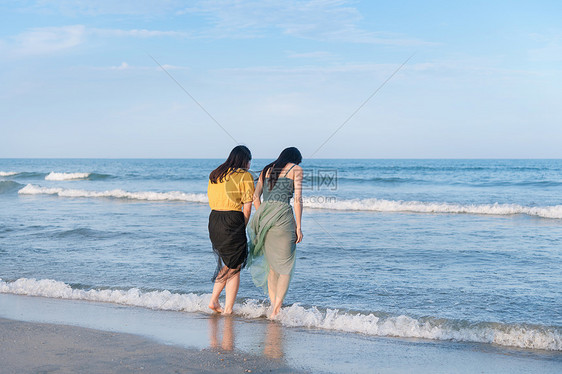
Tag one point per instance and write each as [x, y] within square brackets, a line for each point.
[282, 287]
[217, 289]
[232, 285]
[214, 303]
[272, 285]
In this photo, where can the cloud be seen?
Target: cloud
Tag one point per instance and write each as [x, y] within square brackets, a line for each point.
[323, 20]
[45, 40]
[326, 20]
[311, 55]
[550, 50]
[125, 66]
[313, 69]
[142, 33]
[175, 67]
[459, 70]
[470, 66]
[102, 7]
[48, 40]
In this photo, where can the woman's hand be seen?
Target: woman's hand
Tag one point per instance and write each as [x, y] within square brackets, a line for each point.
[299, 235]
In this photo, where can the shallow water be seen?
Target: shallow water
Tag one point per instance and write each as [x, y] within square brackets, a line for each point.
[466, 250]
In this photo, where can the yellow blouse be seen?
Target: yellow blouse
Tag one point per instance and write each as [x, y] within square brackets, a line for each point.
[236, 189]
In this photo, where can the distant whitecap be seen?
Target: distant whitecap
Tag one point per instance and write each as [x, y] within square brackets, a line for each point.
[8, 173]
[118, 194]
[66, 176]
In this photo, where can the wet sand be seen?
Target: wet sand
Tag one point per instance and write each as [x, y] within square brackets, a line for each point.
[49, 348]
[42, 335]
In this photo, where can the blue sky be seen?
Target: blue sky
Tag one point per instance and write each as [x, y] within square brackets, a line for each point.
[77, 79]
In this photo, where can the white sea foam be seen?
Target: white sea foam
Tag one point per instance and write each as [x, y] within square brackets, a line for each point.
[321, 202]
[118, 194]
[521, 336]
[52, 176]
[380, 205]
[161, 300]
[512, 335]
[8, 173]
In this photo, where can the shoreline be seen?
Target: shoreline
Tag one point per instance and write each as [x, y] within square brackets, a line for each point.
[198, 339]
[44, 347]
[375, 324]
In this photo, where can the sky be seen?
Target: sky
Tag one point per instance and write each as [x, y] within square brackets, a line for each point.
[335, 78]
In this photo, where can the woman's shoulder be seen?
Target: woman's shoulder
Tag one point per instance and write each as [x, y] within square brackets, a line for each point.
[293, 169]
[290, 171]
[297, 167]
[243, 174]
[248, 175]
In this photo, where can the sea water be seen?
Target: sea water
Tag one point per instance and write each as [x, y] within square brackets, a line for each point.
[451, 250]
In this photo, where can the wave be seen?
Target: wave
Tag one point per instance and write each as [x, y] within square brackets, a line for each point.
[52, 176]
[320, 181]
[397, 180]
[8, 173]
[460, 167]
[380, 205]
[118, 194]
[526, 183]
[85, 233]
[22, 175]
[9, 186]
[376, 324]
[543, 183]
[320, 202]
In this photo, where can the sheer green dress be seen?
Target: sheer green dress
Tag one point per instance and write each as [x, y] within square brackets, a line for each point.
[272, 232]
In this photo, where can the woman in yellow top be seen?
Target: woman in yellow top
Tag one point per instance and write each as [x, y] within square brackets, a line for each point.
[230, 191]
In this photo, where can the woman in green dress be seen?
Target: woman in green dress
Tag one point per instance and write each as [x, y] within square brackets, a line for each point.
[274, 230]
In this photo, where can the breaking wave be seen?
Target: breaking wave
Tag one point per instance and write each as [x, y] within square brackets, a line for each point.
[381, 205]
[52, 176]
[377, 324]
[319, 202]
[118, 194]
[8, 173]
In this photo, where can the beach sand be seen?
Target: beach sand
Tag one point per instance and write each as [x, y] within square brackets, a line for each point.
[40, 335]
[48, 348]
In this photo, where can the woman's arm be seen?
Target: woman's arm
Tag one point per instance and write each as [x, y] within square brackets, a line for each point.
[297, 177]
[247, 210]
[258, 191]
[247, 192]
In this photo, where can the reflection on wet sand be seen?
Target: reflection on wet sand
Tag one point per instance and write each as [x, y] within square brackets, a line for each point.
[227, 341]
[273, 347]
[222, 336]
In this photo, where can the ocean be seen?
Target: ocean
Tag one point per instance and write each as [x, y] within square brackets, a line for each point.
[447, 250]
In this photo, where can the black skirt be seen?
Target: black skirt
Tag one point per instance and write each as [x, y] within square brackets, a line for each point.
[227, 231]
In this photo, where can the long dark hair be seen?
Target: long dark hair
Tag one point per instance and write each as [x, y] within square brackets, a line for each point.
[289, 155]
[238, 159]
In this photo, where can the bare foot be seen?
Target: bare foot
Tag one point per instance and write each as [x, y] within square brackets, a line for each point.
[215, 307]
[274, 314]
